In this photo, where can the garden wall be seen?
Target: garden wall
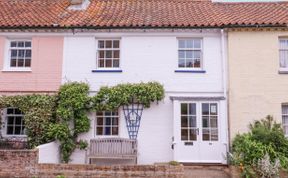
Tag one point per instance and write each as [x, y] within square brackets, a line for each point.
[24, 163]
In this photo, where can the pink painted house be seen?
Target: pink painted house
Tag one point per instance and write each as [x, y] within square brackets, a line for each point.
[30, 64]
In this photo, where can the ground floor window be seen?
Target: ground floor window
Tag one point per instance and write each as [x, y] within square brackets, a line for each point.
[14, 122]
[210, 121]
[107, 123]
[285, 118]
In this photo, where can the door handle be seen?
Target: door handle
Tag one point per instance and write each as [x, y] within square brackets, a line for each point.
[172, 145]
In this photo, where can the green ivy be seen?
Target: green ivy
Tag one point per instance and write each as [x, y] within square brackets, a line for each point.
[39, 113]
[63, 116]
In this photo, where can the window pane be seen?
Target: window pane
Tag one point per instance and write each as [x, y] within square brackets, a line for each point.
[213, 109]
[115, 63]
[13, 63]
[107, 121]
[285, 109]
[114, 121]
[189, 43]
[13, 53]
[20, 63]
[10, 120]
[197, 43]
[101, 54]
[189, 62]
[116, 44]
[189, 54]
[184, 121]
[206, 134]
[10, 111]
[108, 54]
[18, 120]
[28, 44]
[193, 134]
[114, 130]
[197, 63]
[101, 63]
[108, 63]
[184, 108]
[99, 131]
[116, 54]
[10, 130]
[107, 131]
[17, 130]
[192, 121]
[99, 121]
[21, 53]
[181, 43]
[20, 43]
[205, 121]
[181, 63]
[108, 44]
[205, 109]
[181, 54]
[213, 122]
[184, 134]
[13, 44]
[283, 58]
[192, 109]
[214, 134]
[28, 53]
[101, 44]
[196, 54]
[27, 62]
[283, 43]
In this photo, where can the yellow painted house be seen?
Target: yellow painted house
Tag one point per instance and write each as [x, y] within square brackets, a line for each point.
[258, 77]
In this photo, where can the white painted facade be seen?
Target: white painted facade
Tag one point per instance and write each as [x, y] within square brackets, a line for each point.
[153, 56]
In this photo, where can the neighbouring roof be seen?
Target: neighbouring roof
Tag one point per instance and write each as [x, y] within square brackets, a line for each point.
[141, 14]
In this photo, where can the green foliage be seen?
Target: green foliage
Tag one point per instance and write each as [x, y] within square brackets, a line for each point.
[266, 137]
[39, 112]
[174, 163]
[123, 94]
[64, 116]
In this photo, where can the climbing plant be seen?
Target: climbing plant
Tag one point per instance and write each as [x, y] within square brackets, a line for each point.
[72, 120]
[39, 112]
[110, 98]
[63, 116]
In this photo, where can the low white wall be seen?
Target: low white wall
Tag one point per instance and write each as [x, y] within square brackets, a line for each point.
[49, 153]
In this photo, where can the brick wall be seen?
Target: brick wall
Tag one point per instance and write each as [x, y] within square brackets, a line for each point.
[24, 163]
[18, 163]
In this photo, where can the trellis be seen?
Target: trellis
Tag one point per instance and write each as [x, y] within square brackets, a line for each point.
[133, 114]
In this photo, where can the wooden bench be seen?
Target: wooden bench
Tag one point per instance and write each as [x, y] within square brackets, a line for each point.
[112, 148]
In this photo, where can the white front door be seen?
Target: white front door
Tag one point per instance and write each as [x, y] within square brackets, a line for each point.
[196, 132]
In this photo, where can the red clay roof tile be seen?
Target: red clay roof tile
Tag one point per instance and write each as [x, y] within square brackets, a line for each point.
[140, 13]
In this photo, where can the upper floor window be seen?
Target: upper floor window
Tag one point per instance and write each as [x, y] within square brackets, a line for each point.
[20, 53]
[108, 54]
[15, 125]
[285, 118]
[107, 123]
[190, 53]
[283, 52]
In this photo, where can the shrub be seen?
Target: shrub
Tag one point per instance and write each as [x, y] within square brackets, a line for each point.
[264, 147]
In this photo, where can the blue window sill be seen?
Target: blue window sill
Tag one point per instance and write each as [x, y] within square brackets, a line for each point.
[190, 71]
[109, 71]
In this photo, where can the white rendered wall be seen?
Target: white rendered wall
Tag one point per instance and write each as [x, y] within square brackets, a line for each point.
[49, 153]
[146, 57]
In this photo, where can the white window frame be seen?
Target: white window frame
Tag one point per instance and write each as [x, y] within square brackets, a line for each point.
[103, 116]
[5, 126]
[97, 54]
[282, 115]
[7, 58]
[282, 49]
[192, 49]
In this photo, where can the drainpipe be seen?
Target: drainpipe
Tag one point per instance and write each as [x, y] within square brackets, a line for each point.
[225, 81]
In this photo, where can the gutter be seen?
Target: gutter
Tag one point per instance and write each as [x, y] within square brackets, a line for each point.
[57, 27]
